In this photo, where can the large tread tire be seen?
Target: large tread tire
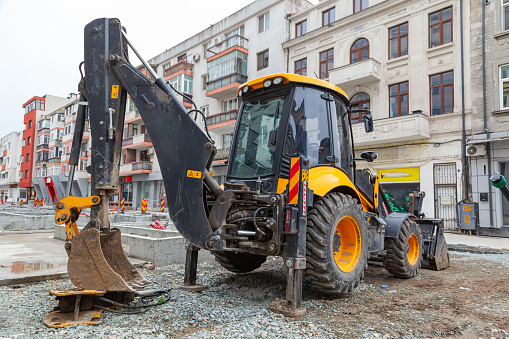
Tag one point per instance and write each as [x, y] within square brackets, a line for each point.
[396, 261]
[321, 268]
[239, 262]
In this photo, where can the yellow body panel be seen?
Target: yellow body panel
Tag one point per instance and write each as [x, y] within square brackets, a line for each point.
[323, 179]
[288, 77]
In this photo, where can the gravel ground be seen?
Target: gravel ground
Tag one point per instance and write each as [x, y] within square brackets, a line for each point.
[469, 300]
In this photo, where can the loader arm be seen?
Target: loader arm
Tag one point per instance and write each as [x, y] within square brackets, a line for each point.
[183, 149]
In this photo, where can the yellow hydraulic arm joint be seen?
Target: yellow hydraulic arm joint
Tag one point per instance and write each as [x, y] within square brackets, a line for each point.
[68, 211]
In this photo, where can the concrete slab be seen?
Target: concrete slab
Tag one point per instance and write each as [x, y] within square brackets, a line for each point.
[34, 257]
[476, 244]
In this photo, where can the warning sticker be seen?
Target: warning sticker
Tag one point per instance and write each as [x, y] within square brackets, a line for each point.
[114, 91]
[194, 174]
[467, 219]
[467, 208]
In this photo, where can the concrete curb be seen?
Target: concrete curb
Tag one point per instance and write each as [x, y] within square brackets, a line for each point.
[32, 279]
[476, 250]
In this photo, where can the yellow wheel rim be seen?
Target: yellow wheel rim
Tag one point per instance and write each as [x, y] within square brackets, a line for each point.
[347, 244]
[413, 249]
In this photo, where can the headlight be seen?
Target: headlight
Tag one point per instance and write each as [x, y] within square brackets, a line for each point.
[267, 83]
[245, 89]
[277, 81]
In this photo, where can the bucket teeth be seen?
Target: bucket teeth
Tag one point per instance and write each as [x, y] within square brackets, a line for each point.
[98, 262]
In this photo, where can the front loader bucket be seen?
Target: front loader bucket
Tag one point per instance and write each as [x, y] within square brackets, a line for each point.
[436, 254]
[97, 262]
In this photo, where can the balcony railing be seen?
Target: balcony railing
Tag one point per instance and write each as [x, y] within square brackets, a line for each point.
[42, 146]
[225, 81]
[142, 165]
[235, 40]
[404, 128]
[54, 160]
[179, 66]
[222, 117]
[358, 73]
[136, 139]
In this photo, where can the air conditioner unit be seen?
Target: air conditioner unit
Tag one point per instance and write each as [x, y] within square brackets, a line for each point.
[478, 150]
[196, 57]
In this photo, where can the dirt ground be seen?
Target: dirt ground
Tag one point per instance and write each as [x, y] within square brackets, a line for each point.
[470, 299]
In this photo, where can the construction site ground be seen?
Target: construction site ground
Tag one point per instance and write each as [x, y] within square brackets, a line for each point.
[470, 299]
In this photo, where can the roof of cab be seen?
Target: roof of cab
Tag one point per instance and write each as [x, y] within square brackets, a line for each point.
[288, 77]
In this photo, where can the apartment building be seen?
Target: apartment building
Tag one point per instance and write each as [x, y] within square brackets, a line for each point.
[54, 137]
[35, 145]
[209, 67]
[412, 87]
[488, 147]
[10, 157]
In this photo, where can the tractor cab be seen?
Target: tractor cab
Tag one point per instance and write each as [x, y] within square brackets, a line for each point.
[287, 115]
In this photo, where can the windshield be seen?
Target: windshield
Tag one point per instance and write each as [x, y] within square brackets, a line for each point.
[255, 144]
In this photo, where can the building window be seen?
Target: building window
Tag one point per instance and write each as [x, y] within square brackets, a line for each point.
[26, 173]
[263, 23]
[182, 57]
[263, 60]
[398, 99]
[440, 27]
[227, 139]
[504, 86]
[29, 140]
[23, 143]
[505, 14]
[302, 28]
[229, 105]
[21, 158]
[326, 63]
[30, 124]
[28, 157]
[204, 82]
[328, 16]
[398, 41]
[441, 93]
[359, 50]
[359, 101]
[301, 67]
[21, 174]
[205, 110]
[359, 5]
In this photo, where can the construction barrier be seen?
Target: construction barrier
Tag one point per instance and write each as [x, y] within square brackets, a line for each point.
[41, 201]
[144, 205]
[36, 202]
[21, 202]
[2, 200]
[122, 205]
[162, 204]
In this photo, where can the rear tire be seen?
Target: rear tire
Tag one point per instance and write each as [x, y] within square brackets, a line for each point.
[404, 253]
[337, 244]
[239, 262]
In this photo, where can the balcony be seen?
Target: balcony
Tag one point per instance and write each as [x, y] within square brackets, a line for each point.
[42, 146]
[55, 143]
[220, 122]
[54, 160]
[405, 128]
[179, 67]
[227, 68]
[138, 167]
[235, 42]
[359, 73]
[140, 141]
[132, 116]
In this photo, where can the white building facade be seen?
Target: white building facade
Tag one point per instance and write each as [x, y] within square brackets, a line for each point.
[402, 60]
[10, 154]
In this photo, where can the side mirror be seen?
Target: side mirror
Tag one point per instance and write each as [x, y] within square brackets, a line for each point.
[272, 138]
[369, 156]
[368, 123]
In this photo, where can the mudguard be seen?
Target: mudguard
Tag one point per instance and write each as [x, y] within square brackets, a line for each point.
[394, 222]
[183, 149]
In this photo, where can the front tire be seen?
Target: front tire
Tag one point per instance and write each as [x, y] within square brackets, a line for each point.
[337, 244]
[404, 253]
[239, 262]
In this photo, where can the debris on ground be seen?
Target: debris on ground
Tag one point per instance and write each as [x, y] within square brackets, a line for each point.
[469, 299]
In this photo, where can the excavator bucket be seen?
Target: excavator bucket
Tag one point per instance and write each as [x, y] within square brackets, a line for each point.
[88, 267]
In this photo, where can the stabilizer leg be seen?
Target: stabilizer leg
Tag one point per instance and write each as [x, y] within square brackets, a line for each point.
[191, 269]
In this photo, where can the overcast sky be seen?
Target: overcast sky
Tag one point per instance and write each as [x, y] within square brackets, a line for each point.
[41, 41]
